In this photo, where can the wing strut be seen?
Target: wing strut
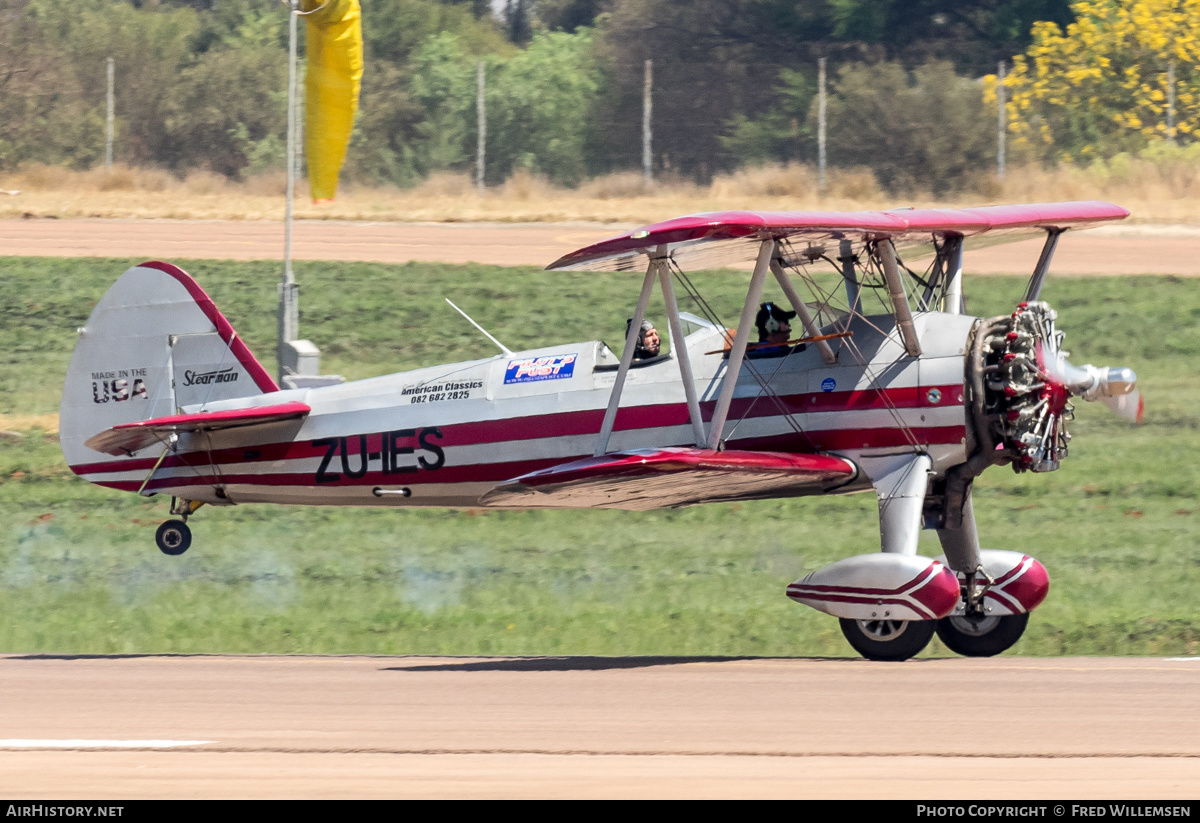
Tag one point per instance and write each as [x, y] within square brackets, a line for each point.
[810, 326]
[631, 338]
[899, 298]
[1034, 290]
[679, 348]
[953, 301]
[846, 258]
[172, 439]
[716, 428]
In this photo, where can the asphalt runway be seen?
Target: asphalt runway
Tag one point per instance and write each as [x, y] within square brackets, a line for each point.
[309, 726]
[1109, 250]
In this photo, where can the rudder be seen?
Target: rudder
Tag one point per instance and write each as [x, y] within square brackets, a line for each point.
[154, 345]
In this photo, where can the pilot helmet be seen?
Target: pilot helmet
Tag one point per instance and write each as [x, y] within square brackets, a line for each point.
[646, 326]
[770, 317]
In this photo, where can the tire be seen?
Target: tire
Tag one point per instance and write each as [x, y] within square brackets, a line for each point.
[985, 637]
[887, 639]
[173, 537]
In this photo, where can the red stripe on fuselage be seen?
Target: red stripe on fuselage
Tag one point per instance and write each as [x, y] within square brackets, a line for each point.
[490, 472]
[565, 424]
[588, 422]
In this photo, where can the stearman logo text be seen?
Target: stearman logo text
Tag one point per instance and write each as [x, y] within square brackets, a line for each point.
[191, 378]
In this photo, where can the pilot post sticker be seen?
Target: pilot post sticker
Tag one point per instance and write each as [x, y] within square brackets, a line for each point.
[828, 384]
[535, 369]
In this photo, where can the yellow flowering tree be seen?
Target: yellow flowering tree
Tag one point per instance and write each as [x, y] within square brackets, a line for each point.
[1102, 86]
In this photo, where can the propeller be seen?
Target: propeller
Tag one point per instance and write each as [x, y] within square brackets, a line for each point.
[1030, 383]
[1115, 387]
[1129, 407]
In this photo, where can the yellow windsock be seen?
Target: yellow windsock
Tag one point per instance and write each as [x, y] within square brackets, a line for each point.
[334, 47]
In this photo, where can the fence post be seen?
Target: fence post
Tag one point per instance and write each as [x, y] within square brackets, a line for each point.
[481, 114]
[108, 122]
[1001, 120]
[821, 125]
[1171, 101]
[647, 85]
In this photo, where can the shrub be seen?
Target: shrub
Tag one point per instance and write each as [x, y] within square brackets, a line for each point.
[925, 130]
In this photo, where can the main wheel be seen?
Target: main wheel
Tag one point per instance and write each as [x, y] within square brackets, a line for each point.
[173, 537]
[983, 636]
[887, 639]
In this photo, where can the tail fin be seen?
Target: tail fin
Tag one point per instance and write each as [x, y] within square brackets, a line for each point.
[155, 345]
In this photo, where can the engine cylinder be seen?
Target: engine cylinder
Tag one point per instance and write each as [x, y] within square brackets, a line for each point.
[1024, 407]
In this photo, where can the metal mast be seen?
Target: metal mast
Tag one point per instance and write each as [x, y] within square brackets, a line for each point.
[289, 312]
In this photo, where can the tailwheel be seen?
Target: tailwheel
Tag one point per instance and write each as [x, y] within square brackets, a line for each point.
[173, 537]
[983, 635]
[887, 639]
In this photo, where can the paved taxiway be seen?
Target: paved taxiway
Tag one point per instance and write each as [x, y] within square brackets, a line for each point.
[600, 727]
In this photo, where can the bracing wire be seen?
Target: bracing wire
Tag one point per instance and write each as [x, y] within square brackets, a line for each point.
[860, 358]
[711, 315]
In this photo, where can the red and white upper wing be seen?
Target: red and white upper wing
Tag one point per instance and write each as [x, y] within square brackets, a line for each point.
[722, 238]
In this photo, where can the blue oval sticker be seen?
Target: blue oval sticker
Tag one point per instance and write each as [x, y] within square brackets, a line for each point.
[828, 384]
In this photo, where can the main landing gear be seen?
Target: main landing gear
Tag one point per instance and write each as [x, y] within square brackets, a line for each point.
[887, 639]
[981, 635]
[174, 537]
[975, 636]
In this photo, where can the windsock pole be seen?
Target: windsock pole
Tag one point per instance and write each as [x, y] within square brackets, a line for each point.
[289, 313]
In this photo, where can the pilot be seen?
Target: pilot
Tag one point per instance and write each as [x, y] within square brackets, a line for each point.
[648, 344]
[773, 331]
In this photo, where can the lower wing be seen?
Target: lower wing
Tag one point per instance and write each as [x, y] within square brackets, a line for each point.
[642, 479]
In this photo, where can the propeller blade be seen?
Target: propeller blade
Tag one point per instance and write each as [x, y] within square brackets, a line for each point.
[1129, 407]
[1114, 387]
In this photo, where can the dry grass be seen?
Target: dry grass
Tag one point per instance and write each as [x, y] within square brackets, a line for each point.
[1155, 193]
[617, 186]
[21, 423]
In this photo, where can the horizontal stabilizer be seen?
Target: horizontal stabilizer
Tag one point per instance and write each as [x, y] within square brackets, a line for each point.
[128, 438]
[642, 479]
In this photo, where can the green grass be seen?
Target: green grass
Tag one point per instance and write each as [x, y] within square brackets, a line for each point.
[1116, 526]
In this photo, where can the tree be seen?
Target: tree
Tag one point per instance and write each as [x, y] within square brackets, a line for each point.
[395, 140]
[927, 130]
[1100, 87]
[395, 30]
[973, 34]
[539, 100]
[518, 21]
[713, 60]
[150, 48]
[42, 116]
[443, 85]
[716, 63]
[568, 15]
[783, 133]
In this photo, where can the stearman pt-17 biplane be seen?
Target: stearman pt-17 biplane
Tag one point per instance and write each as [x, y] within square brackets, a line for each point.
[891, 387]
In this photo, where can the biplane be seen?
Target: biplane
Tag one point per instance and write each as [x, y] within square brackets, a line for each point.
[888, 387]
